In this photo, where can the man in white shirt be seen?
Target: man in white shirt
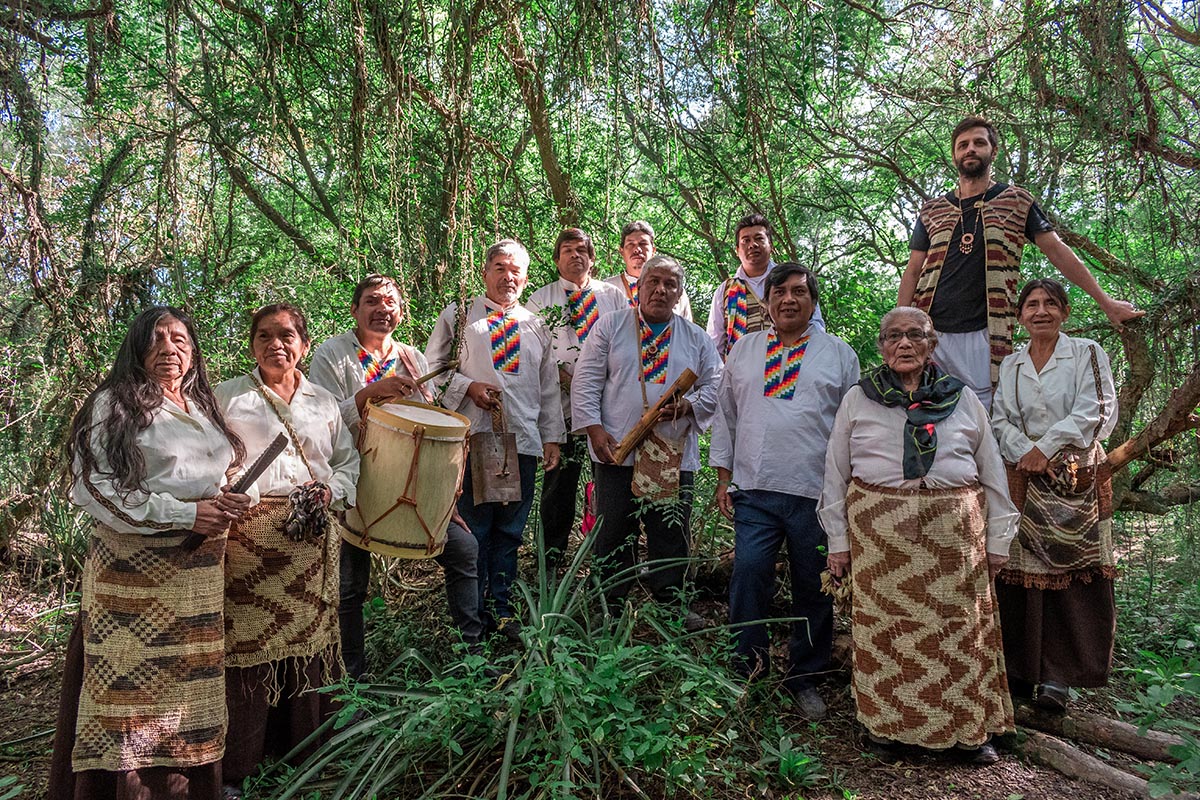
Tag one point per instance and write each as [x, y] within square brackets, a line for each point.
[739, 304]
[569, 306]
[355, 367]
[778, 398]
[505, 364]
[637, 247]
[629, 361]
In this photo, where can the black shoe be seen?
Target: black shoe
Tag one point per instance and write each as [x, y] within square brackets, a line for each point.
[880, 747]
[985, 755]
[1052, 696]
[981, 756]
[510, 629]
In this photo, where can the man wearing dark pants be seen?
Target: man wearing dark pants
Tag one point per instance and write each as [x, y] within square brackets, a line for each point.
[629, 361]
[358, 366]
[778, 397]
[570, 306]
[505, 367]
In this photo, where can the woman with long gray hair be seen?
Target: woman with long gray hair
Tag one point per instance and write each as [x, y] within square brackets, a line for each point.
[142, 712]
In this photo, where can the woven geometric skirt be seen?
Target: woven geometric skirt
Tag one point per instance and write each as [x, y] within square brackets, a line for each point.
[281, 596]
[154, 675]
[928, 662]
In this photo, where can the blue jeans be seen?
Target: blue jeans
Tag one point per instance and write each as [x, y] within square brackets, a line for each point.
[762, 522]
[498, 527]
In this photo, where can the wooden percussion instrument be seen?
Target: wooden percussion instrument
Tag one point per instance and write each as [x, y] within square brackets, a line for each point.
[413, 456]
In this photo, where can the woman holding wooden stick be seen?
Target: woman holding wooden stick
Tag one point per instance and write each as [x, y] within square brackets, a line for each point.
[143, 702]
[281, 569]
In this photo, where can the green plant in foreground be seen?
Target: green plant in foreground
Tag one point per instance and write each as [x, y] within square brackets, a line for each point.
[1165, 680]
[593, 704]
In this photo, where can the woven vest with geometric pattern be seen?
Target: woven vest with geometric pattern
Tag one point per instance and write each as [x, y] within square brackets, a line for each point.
[1004, 219]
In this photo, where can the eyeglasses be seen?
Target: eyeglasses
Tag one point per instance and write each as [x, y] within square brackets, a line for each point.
[916, 336]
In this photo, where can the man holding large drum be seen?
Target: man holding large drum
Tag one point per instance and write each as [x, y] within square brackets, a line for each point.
[358, 366]
[506, 383]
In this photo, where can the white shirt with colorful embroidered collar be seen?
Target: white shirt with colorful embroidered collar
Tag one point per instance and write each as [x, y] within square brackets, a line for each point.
[531, 399]
[777, 444]
[607, 391]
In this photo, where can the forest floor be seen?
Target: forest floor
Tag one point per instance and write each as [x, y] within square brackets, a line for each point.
[29, 700]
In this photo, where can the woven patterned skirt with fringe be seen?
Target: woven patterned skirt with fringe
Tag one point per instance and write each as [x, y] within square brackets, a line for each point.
[281, 596]
[928, 663]
[153, 690]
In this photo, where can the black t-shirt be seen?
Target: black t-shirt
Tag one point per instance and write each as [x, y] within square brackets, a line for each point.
[960, 302]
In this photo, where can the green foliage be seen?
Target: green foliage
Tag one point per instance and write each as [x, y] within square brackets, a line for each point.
[9, 788]
[588, 703]
[1168, 683]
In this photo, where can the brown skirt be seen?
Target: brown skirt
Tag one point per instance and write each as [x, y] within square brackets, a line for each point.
[161, 783]
[1060, 635]
[258, 730]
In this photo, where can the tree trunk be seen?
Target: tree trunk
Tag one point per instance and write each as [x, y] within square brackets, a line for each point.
[1102, 731]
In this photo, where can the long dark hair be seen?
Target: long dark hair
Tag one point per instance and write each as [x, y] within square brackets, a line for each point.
[133, 396]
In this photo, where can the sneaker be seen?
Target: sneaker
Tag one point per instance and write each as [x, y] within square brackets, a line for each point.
[1052, 696]
[693, 622]
[809, 704]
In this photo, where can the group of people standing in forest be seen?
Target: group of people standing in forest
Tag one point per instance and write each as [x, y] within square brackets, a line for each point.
[978, 546]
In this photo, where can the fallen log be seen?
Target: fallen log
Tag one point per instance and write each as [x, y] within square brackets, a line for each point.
[1074, 763]
[1103, 732]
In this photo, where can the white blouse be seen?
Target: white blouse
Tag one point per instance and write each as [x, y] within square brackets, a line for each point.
[607, 388]
[335, 366]
[867, 443]
[1060, 405]
[186, 458]
[775, 444]
[316, 419]
[531, 401]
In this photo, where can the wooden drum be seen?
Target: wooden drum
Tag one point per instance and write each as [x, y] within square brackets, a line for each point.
[413, 456]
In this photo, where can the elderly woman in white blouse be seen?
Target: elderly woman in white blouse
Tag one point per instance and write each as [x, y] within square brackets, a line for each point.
[915, 501]
[143, 700]
[1054, 404]
[281, 571]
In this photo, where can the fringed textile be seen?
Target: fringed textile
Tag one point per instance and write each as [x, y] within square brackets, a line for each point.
[928, 661]
[1065, 536]
[154, 678]
[281, 596]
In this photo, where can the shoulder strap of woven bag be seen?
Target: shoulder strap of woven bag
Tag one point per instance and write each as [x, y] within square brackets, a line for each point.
[1099, 392]
[287, 425]
[641, 369]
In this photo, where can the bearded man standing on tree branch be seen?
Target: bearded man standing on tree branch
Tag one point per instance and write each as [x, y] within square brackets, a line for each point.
[965, 258]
